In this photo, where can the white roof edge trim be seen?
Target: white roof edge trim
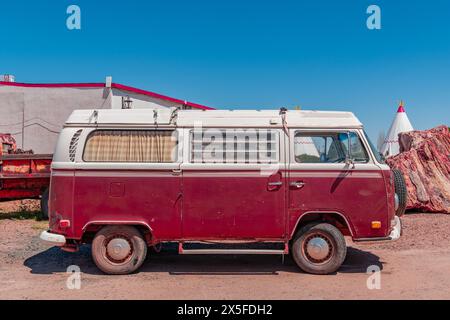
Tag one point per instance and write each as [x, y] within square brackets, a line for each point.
[212, 118]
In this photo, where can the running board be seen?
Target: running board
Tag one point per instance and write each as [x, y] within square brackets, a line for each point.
[181, 250]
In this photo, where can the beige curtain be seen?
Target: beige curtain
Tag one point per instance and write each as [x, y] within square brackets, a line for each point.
[131, 146]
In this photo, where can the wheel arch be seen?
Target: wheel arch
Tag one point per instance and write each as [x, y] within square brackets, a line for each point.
[335, 218]
[91, 228]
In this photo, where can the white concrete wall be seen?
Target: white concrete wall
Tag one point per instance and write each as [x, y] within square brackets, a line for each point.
[45, 111]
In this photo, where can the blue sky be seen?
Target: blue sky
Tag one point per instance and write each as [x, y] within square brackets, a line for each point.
[245, 54]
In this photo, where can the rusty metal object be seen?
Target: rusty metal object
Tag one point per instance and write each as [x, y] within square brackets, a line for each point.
[7, 144]
[22, 174]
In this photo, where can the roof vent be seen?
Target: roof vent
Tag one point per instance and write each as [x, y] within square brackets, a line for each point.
[73, 145]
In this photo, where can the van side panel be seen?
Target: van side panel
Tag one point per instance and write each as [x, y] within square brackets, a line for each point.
[129, 197]
[358, 195]
[390, 192]
[61, 201]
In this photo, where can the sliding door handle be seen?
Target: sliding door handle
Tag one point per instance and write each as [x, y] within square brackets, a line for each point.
[275, 184]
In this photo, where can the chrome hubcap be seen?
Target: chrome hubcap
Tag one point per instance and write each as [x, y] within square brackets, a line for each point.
[318, 248]
[118, 249]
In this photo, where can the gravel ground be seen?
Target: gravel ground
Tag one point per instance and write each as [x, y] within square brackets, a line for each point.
[26, 205]
[415, 267]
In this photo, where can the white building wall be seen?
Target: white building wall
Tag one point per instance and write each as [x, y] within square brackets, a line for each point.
[42, 111]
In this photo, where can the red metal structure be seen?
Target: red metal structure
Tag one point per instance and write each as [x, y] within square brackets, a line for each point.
[23, 175]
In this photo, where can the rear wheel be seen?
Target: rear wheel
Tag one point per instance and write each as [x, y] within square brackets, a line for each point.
[119, 249]
[319, 248]
[44, 204]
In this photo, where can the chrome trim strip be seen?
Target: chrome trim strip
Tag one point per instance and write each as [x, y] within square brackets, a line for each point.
[56, 173]
[231, 251]
[350, 175]
[125, 174]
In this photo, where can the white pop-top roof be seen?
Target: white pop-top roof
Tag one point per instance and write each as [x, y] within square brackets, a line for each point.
[212, 118]
[400, 124]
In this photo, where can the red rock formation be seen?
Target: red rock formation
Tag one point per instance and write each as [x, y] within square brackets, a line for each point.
[425, 163]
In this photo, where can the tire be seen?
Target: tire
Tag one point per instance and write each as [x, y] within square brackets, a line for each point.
[114, 261]
[44, 204]
[324, 262]
[401, 191]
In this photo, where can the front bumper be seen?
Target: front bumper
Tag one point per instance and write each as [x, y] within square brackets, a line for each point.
[53, 239]
[396, 230]
[395, 234]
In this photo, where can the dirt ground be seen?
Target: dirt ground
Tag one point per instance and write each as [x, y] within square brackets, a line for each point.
[415, 267]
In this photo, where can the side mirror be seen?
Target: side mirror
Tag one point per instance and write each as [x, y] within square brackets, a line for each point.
[345, 138]
[350, 162]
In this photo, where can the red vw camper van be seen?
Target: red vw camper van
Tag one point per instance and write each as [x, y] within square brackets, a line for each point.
[124, 180]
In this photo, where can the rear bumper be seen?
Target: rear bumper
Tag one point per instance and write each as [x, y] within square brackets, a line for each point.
[395, 234]
[53, 239]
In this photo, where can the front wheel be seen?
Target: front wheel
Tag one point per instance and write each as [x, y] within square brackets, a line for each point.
[119, 249]
[319, 248]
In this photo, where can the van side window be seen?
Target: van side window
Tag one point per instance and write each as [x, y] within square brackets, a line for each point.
[135, 146]
[246, 146]
[328, 147]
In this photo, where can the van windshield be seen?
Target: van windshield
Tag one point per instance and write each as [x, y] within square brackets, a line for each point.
[377, 154]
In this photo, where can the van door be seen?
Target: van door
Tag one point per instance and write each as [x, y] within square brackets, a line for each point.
[234, 184]
[325, 177]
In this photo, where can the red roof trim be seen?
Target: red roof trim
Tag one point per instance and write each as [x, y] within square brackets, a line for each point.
[52, 85]
[102, 85]
[159, 96]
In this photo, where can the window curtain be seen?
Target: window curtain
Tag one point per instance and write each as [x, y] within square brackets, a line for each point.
[131, 146]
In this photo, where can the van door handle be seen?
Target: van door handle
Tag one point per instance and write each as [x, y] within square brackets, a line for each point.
[297, 184]
[275, 184]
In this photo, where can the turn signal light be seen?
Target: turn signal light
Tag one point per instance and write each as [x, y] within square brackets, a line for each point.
[376, 224]
[64, 224]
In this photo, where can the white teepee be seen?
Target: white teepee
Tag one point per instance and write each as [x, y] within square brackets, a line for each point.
[401, 124]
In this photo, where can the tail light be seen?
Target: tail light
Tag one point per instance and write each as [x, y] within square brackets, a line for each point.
[64, 224]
